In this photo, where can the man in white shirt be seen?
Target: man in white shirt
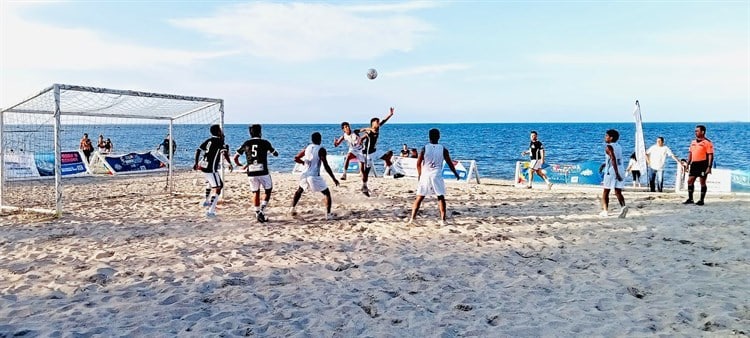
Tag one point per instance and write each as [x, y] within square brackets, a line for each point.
[656, 157]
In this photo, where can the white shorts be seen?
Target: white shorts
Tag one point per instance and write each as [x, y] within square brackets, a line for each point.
[313, 183]
[535, 164]
[358, 154]
[213, 180]
[371, 158]
[431, 185]
[610, 181]
[256, 182]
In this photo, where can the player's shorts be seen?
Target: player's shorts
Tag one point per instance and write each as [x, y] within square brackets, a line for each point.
[256, 182]
[698, 168]
[312, 183]
[356, 154]
[610, 181]
[372, 157]
[535, 164]
[431, 185]
[214, 180]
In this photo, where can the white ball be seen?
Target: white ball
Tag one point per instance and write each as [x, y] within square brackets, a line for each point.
[372, 73]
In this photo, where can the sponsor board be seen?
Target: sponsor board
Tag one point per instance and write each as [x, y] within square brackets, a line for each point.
[466, 169]
[35, 165]
[581, 173]
[719, 180]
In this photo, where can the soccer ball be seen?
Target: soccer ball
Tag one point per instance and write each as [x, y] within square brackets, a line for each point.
[372, 74]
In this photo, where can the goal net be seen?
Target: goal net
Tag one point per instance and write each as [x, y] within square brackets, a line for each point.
[47, 162]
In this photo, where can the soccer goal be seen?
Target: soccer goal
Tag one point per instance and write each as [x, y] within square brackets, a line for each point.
[46, 162]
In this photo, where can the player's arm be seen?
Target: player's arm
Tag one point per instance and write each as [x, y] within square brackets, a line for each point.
[299, 156]
[272, 150]
[337, 141]
[710, 158]
[197, 158]
[225, 154]
[447, 158]
[542, 153]
[420, 158]
[613, 158]
[322, 153]
[385, 119]
[236, 158]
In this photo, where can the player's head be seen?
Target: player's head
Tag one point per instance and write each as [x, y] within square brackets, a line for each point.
[316, 138]
[375, 123]
[434, 135]
[255, 130]
[533, 135]
[614, 135]
[660, 141]
[700, 130]
[632, 156]
[215, 130]
[85, 135]
[346, 127]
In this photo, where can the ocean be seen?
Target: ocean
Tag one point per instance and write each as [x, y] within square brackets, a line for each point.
[495, 146]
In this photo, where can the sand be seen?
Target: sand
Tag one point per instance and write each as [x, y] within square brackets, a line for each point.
[511, 263]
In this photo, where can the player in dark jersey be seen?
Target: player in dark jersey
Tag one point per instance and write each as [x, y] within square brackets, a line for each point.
[370, 136]
[536, 152]
[213, 150]
[256, 152]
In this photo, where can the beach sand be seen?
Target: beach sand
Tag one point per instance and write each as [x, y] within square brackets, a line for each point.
[511, 263]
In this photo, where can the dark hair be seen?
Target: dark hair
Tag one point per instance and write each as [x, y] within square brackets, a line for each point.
[343, 124]
[633, 156]
[660, 138]
[614, 134]
[255, 130]
[316, 138]
[534, 132]
[701, 127]
[85, 134]
[434, 135]
[374, 119]
[215, 130]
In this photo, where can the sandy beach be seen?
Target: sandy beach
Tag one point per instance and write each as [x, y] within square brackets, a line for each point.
[511, 263]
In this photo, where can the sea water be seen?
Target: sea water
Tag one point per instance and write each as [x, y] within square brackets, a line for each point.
[495, 146]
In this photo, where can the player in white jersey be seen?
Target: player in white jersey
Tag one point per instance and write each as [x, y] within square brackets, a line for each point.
[612, 169]
[355, 147]
[430, 172]
[312, 157]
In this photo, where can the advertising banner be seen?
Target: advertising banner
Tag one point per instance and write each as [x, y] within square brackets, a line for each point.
[20, 165]
[134, 163]
[581, 173]
[466, 169]
[72, 163]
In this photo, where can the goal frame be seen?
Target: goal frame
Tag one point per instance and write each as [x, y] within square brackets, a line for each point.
[57, 112]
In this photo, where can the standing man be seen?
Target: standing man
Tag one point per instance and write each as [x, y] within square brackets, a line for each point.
[355, 147]
[165, 144]
[536, 150]
[700, 160]
[213, 149]
[430, 173]
[86, 146]
[312, 157]
[612, 169]
[371, 152]
[656, 158]
[256, 166]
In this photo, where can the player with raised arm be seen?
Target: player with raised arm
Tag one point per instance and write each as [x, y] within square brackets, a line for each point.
[213, 150]
[256, 152]
[370, 137]
[312, 157]
[430, 173]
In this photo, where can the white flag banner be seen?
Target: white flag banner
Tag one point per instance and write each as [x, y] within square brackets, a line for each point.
[640, 143]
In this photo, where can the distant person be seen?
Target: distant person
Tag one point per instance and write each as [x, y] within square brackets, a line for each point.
[413, 153]
[700, 160]
[108, 146]
[430, 175]
[405, 151]
[656, 158]
[312, 157]
[213, 150]
[612, 168]
[256, 152]
[100, 143]
[633, 170]
[86, 147]
[355, 147]
[536, 153]
[371, 152]
[165, 144]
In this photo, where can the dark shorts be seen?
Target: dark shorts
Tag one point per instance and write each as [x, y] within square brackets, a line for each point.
[636, 174]
[698, 169]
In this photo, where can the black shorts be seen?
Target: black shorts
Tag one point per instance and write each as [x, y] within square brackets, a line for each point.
[698, 168]
[636, 174]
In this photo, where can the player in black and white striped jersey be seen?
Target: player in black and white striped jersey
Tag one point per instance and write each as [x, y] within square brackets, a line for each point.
[213, 150]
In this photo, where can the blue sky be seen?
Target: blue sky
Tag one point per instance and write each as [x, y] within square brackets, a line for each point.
[482, 61]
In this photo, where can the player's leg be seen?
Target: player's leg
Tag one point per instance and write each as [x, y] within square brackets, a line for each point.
[415, 209]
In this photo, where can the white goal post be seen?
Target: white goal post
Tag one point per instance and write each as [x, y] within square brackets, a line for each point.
[38, 134]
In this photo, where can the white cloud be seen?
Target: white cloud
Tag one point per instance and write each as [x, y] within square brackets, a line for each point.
[429, 70]
[736, 60]
[301, 32]
[39, 46]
